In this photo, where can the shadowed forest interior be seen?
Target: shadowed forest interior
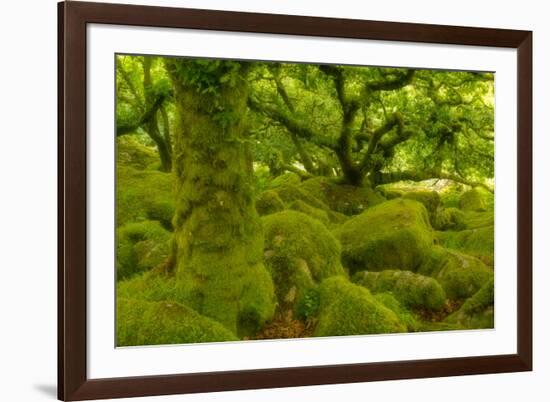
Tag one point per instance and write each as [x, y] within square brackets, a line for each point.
[265, 200]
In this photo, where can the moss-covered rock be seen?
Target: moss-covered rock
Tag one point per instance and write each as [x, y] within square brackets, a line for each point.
[348, 309]
[477, 312]
[141, 246]
[405, 316]
[316, 213]
[410, 289]
[430, 199]
[460, 275]
[269, 202]
[448, 219]
[144, 195]
[288, 178]
[478, 242]
[131, 152]
[343, 198]
[299, 252]
[290, 194]
[473, 200]
[476, 220]
[395, 234]
[140, 322]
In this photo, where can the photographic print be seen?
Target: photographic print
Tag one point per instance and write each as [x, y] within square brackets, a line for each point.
[268, 200]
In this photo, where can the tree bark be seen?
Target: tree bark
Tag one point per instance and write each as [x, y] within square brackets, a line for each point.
[218, 240]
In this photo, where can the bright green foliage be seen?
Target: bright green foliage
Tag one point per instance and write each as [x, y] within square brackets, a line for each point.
[308, 304]
[404, 315]
[144, 195]
[217, 237]
[448, 219]
[348, 309]
[299, 252]
[473, 200]
[343, 198]
[393, 235]
[269, 202]
[412, 290]
[161, 323]
[478, 310]
[462, 275]
[141, 246]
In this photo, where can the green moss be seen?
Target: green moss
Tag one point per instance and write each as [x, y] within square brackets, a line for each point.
[462, 275]
[144, 195]
[430, 199]
[395, 234]
[348, 309]
[405, 316]
[299, 252]
[131, 152]
[476, 220]
[342, 198]
[290, 193]
[448, 219]
[319, 214]
[473, 200]
[479, 242]
[139, 322]
[478, 311]
[141, 246]
[285, 179]
[412, 290]
[269, 202]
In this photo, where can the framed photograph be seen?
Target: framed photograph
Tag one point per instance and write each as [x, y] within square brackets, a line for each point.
[254, 200]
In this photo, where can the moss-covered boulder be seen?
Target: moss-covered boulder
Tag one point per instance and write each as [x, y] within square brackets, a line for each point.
[291, 193]
[348, 309]
[430, 199]
[316, 213]
[478, 242]
[288, 178]
[392, 235]
[144, 195]
[477, 312]
[131, 152]
[141, 246]
[410, 289]
[299, 252]
[460, 275]
[269, 202]
[342, 198]
[448, 219]
[140, 322]
[405, 316]
[476, 220]
[473, 200]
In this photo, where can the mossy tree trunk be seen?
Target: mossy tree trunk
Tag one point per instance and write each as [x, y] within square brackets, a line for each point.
[218, 240]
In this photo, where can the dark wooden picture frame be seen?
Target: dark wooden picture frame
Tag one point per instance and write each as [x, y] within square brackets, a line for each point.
[73, 383]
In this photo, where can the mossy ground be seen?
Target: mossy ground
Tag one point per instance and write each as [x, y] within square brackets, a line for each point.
[419, 261]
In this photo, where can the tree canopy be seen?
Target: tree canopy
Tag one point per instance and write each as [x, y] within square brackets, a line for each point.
[363, 125]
